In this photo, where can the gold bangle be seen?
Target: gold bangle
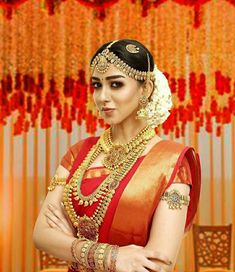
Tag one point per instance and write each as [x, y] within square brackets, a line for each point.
[91, 256]
[83, 253]
[74, 266]
[86, 258]
[114, 253]
[106, 257]
[55, 181]
[73, 250]
[99, 256]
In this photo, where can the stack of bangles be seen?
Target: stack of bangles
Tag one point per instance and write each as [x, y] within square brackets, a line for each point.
[92, 256]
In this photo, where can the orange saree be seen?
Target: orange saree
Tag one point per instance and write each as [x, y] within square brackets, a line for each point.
[140, 191]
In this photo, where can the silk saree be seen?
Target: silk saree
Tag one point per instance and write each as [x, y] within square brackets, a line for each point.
[129, 215]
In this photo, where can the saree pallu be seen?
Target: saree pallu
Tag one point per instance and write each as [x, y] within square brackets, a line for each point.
[129, 215]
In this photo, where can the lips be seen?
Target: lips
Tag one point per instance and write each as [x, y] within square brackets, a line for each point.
[107, 109]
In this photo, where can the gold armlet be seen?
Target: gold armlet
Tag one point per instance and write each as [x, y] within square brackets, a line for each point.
[175, 199]
[55, 181]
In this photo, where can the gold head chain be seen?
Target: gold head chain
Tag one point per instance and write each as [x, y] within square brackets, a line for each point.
[103, 60]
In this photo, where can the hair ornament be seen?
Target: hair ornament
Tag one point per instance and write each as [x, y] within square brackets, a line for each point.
[160, 102]
[131, 48]
[103, 60]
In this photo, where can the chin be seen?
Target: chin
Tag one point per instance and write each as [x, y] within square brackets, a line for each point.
[112, 122]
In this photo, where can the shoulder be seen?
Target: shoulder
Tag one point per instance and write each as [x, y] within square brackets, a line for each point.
[178, 149]
[173, 145]
[169, 149]
[72, 153]
[184, 162]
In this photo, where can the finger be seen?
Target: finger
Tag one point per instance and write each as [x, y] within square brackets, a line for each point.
[153, 266]
[51, 223]
[56, 221]
[157, 256]
[66, 224]
[57, 225]
[142, 269]
[55, 211]
[52, 218]
[57, 214]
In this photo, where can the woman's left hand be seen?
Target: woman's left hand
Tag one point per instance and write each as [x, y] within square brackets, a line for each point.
[57, 219]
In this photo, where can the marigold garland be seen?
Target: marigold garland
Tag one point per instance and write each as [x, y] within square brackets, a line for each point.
[44, 60]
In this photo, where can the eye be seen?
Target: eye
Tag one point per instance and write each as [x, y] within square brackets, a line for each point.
[116, 84]
[95, 85]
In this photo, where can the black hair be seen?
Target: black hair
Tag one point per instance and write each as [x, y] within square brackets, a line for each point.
[138, 61]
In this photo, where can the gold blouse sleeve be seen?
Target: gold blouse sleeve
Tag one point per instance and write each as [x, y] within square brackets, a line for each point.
[67, 162]
[68, 159]
[183, 174]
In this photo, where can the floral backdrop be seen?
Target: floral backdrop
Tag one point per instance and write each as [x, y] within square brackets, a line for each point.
[46, 99]
[47, 45]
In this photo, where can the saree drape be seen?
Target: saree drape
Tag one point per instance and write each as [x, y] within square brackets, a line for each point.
[140, 191]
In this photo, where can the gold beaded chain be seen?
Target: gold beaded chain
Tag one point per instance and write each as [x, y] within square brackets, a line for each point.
[88, 227]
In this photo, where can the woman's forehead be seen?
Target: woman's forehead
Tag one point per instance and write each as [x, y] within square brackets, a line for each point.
[112, 71]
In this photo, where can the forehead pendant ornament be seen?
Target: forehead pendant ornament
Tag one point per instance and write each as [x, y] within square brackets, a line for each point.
[131, 48]
[102, 65]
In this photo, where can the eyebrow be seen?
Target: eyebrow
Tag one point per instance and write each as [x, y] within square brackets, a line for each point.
[109, 77]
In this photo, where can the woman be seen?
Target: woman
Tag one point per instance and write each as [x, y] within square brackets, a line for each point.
[122, 201]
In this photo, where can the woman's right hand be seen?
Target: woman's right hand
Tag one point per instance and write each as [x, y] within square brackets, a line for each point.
[57, 219]
[134, 258]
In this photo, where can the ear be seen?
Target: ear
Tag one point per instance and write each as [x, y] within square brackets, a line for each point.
[147, 88]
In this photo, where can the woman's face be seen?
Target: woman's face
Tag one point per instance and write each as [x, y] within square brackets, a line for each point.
[115, 95]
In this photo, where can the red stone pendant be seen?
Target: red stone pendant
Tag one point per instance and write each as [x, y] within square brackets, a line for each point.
[87, 228]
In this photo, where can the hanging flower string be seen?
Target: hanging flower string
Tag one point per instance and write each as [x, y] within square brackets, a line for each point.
[44, 60]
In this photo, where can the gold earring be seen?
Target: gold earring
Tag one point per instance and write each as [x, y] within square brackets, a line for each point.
[143, 101]
[142, 112]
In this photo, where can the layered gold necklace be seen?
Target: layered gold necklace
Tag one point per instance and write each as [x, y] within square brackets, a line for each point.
[119, 159]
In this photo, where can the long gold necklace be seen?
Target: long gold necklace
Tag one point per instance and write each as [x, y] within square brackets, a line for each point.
[88, 227]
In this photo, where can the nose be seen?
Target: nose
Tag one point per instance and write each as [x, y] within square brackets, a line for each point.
[104, 94]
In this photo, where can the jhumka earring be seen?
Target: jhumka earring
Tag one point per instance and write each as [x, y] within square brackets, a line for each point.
[143, 102]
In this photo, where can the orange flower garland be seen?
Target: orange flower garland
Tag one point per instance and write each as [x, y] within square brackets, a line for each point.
[44, 59]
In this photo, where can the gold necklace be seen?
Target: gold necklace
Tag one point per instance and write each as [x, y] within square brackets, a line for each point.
[116, 153]
[88, 227]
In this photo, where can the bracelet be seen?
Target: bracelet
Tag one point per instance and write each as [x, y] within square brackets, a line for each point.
[84, 251]
[55, 181]
[99, 256]
[175, 199]
[114, 253]
[73, 250]
[86, 257]
[91, 254]
[106, 256]
[74, 266]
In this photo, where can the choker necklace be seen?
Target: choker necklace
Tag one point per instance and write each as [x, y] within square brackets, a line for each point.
[115, 154]
[88, 226]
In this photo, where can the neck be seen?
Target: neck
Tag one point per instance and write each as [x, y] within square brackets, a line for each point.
[123, 133]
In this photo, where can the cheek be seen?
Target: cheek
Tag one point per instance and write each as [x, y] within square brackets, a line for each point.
[94, 95]
[128, 98]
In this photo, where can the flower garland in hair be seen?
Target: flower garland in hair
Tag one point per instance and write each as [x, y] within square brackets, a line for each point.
[160, 101]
